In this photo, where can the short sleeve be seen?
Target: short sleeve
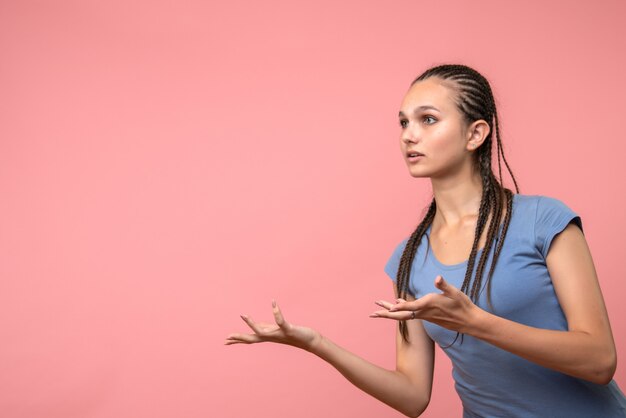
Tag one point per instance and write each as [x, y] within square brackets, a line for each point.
[391, 268]
[551, 218]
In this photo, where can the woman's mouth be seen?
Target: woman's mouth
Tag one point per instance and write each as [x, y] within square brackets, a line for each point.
[414, 157]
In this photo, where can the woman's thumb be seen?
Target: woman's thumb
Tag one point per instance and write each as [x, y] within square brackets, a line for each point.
[444, 286]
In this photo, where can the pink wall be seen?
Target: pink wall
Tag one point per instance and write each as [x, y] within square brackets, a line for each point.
[166, 166]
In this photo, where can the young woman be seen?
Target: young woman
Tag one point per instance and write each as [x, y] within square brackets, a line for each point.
[522, 319]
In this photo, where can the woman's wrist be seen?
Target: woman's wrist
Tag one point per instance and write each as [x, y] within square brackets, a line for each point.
[316, 343]
[477, 322]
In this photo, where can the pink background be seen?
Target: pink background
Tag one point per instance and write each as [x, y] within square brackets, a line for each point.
[166, 166]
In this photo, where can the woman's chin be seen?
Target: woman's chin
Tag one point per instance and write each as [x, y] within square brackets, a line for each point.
[418, 173]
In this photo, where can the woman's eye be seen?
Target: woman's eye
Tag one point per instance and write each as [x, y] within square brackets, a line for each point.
[429, 120]
[403, 123]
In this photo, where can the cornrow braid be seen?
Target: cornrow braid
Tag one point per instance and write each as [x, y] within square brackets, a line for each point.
[474, 99]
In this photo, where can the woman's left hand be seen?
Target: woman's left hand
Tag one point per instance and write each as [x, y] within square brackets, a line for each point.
[451, 309]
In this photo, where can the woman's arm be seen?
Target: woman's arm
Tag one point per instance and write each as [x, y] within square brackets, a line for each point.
[406, 389]
[586, 350]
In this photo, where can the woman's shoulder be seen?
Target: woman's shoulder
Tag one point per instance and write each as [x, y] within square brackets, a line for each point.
[525, 205]
[541, 210]
[532, 198]
[539, 203]
[543, 217]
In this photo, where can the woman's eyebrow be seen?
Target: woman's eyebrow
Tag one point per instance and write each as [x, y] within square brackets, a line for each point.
[421, 108]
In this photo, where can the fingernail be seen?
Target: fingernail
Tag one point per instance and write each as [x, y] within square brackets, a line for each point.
[273, 303]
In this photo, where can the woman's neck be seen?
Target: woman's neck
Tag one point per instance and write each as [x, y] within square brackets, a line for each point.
[458, 201]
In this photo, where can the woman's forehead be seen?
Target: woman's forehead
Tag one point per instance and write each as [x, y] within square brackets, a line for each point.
[430, 92]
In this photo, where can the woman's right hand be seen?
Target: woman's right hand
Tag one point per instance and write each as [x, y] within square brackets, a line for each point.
[281, 332]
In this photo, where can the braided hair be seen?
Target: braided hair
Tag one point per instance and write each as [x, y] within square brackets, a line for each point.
[475, 101]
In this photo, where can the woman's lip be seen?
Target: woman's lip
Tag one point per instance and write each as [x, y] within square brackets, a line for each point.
[415, 159]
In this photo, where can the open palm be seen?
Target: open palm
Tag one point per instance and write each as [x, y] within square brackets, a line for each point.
[281, 332]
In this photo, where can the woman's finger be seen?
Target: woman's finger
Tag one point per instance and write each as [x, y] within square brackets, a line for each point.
[252, 324]
[406, 306]
[446, 288]
[278, 316]
[242, 339]
[384, 304]
[398, 316]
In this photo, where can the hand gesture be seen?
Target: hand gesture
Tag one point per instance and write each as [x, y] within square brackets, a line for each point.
[451, 309]
[281, 332]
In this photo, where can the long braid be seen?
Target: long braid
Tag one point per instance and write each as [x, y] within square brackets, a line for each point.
[500, 240]
[404, 269]
[495, 197]
[475, 100]
[485, 207]
[501, 150]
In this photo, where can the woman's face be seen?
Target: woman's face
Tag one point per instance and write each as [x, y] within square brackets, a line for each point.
[433, 126]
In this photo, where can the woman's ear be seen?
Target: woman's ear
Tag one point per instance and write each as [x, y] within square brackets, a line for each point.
[477, 132]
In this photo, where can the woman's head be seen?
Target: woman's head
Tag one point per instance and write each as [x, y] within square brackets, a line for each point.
[470, 94]
[434, 127]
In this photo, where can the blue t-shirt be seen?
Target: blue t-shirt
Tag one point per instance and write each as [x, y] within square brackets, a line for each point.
[492, 382]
